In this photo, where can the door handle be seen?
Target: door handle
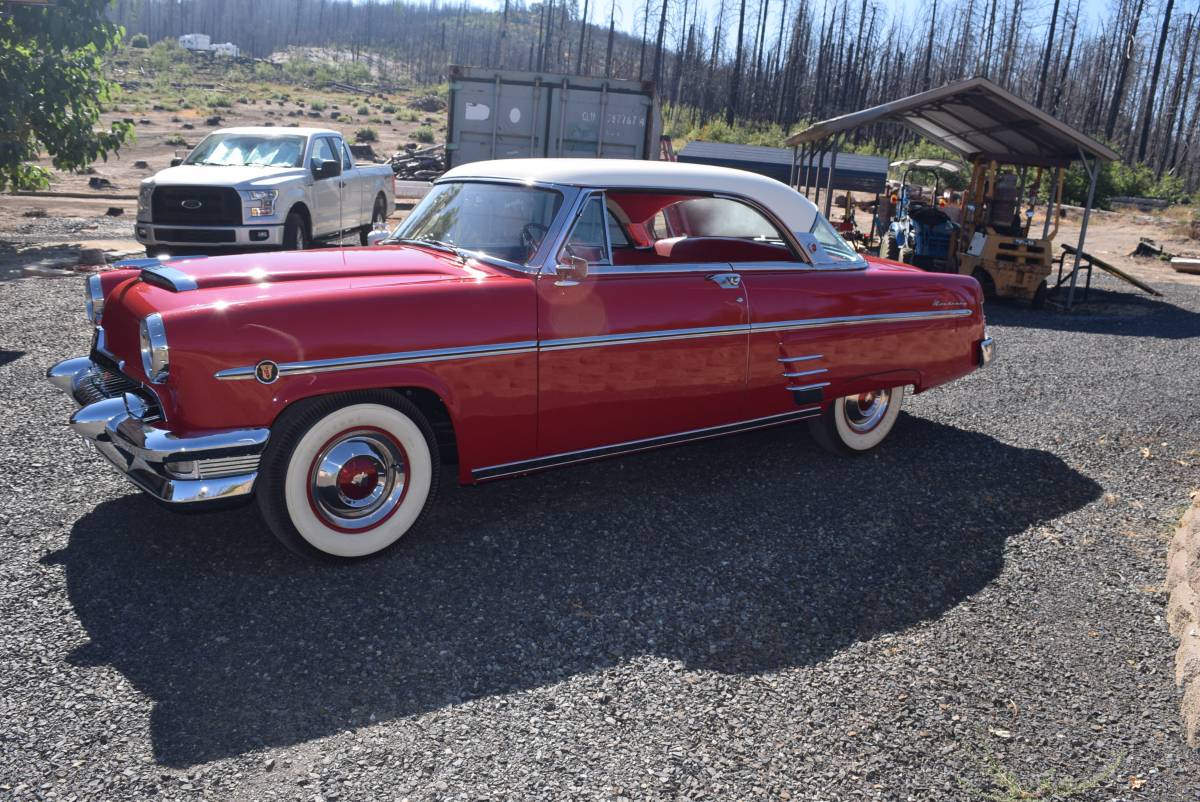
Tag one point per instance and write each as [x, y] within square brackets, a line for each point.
[726, 281]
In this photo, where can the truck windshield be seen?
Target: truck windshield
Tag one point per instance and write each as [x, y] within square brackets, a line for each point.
[504, 221]
[248, 150]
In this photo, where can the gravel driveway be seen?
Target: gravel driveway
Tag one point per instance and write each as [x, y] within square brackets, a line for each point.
[745, 618]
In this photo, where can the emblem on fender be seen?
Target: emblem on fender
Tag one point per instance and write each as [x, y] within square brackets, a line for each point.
[266, 372]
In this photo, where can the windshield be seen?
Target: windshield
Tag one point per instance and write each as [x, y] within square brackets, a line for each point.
[832, 241]
[243, 150]
[505, 221]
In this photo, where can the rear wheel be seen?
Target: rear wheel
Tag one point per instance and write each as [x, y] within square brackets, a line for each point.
[907, 255]
[1039, 297]
[858, 423]
[295, 233]
[378, 215]
[347, 476]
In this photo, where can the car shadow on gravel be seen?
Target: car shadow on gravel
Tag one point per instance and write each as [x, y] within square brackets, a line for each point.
[743, 555]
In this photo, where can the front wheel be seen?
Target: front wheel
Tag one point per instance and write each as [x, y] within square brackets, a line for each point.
[347, 476]
[891, 248]
[858, 423]
[295, 233]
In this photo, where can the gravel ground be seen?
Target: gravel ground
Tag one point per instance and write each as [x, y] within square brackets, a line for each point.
[745, 618]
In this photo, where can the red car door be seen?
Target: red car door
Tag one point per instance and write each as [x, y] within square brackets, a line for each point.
[636, 352]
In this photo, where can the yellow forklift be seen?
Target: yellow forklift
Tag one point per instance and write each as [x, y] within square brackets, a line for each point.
[994, 243]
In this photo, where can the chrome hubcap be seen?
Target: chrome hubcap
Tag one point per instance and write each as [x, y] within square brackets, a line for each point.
[358, 480]
[864, 411]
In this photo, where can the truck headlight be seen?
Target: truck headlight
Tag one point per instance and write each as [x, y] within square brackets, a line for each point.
[264, 202]
[95, 299]
[145, 194]
[155, 358]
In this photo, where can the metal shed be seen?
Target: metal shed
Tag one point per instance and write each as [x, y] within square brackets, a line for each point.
[978, 120]
[853, 172]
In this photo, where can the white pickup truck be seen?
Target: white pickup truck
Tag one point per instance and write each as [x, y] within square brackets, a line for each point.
[263, 187]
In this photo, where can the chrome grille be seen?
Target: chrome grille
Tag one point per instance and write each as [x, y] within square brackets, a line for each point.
[101, 383]
[226, 466]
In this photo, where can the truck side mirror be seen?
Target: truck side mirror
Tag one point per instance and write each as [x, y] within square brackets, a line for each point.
[176, 161]
[327, 168]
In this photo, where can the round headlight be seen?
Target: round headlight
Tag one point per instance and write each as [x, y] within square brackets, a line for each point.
[95, 299]
[155, 359]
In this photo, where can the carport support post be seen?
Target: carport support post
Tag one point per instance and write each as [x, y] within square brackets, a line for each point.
[793, 179]
[833, 152]
[820, 157]
[1093, 171]
[1052, 202]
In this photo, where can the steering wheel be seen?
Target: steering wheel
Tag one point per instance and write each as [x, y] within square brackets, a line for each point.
[531, 237]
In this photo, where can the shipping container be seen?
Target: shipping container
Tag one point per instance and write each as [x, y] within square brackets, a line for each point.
[505, 114]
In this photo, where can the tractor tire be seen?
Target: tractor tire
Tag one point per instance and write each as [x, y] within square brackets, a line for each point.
[1039, 297]
[985, 282]
[890, 248]
[907, 256]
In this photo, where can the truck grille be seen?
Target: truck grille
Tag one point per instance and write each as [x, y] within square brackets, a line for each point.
[193, 235]
[218, 206]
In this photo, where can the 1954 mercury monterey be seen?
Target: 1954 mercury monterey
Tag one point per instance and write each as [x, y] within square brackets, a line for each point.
[527, 314]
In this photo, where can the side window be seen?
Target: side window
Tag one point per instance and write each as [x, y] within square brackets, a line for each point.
[322, 151]
[588, 239]
[616, 233]
[347, 159]
[721, 217]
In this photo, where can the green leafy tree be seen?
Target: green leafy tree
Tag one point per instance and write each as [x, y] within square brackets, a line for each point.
[52, 89]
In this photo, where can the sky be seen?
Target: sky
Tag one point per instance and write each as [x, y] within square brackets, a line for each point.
[1092, 11]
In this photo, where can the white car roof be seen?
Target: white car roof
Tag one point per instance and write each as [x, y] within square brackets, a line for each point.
[270, 130]
[792, 208]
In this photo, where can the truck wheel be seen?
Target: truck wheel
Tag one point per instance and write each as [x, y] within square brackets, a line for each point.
[346, 476]
[907, 255]
[378, 215]
[1039, 296]
[891, 248]
[295, 233]
[857, 424]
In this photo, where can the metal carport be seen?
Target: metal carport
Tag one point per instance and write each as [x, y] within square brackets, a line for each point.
[855, 172]
[977, 120]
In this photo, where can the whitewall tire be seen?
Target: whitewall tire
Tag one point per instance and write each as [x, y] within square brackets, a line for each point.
[858, 423]
[347, 476]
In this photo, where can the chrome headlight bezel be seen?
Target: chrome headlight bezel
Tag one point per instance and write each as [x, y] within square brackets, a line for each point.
[95, 299]
[145, 197]
[263, 202]
[155, 352]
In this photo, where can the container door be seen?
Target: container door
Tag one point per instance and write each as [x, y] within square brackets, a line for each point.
[497, 120]
[587, 122]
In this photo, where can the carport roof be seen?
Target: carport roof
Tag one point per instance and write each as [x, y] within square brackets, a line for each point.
[975, 119]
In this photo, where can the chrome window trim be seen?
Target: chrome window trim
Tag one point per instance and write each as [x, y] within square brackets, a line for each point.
[631, 338]
[583, 455]
[381, 360]
[854, 320]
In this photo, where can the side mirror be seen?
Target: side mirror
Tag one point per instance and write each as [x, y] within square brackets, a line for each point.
[571, 271]
[178, 160]
[378, 236]
[327, 168]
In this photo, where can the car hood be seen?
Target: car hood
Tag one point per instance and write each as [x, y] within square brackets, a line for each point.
[236, 177]
[351, 266]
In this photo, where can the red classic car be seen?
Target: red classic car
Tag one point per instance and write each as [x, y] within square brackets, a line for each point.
[527, 314]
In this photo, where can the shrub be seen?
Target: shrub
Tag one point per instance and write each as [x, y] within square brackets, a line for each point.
[368, 135]
[140, 41]
[175, 139]
[424, 134]
[218, 102]
[317, 105]
[363, 110]
[388, 108]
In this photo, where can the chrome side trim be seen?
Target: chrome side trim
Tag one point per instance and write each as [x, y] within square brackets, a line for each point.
[802, 387]
[382, 360]
[642, 337]
[787, 360]
[645, 444]
[797, 374]
[175, 279]
[854, 320]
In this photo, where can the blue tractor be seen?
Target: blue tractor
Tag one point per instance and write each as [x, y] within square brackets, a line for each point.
[921, 232]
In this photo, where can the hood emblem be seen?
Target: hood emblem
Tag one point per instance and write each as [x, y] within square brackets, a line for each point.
[191, 203]
[266, 372]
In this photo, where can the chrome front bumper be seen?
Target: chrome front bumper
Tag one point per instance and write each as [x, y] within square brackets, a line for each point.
[212, 466]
